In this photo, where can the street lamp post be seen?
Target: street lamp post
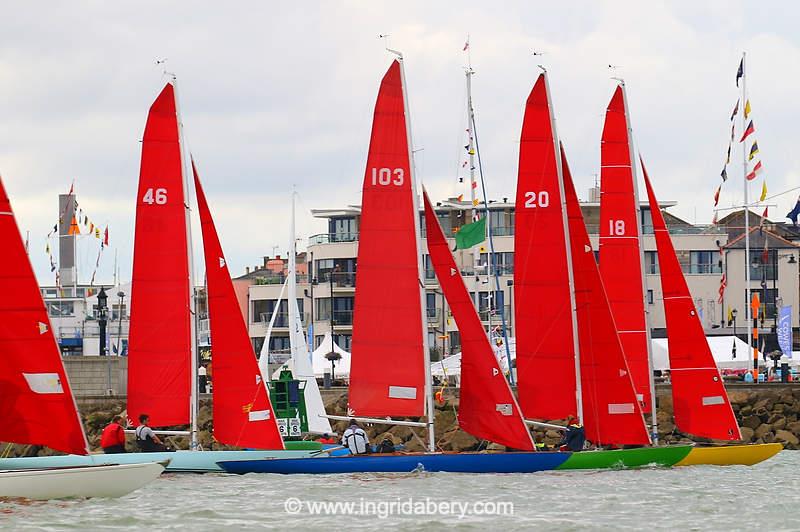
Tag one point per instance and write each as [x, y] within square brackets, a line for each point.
[734, 312]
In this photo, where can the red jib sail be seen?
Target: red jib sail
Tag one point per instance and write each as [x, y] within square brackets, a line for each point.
[159, 352]
[35, 398]
[488, 409]
[620, 259]
[243, 414]
[611, 413]
[387, 374]
[699, 399]
[542, 320]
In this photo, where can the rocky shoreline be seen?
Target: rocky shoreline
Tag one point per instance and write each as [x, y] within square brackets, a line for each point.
[766, 414]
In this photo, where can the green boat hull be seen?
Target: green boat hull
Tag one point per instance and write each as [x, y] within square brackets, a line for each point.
[627, 458]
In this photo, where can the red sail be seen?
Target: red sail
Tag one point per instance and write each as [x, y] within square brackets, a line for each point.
[699, 399]
[488, 409]
[387, 374]
[35, 398]
[543, 320]
[620, 259]
[243, 414]
[159, 352]
[611, 413]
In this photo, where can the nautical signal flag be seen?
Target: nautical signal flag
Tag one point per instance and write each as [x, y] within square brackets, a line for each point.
[105, 237]
[730, 319]
[728, 158]
[749, 130]
[757, 169]
[724, 174]
[794, 212]
[735, 110]
[763, 191]
[471, 234]
[740, 71]
[716, 195]
[746, 109]
[753, 151]
[73, 227]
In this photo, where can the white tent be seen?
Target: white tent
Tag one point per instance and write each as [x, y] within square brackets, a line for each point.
[721, 349]
[320, 364]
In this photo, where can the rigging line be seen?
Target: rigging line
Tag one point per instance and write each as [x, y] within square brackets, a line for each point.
[474, 132]
[758, 203]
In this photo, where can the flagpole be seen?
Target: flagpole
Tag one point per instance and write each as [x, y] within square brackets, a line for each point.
[746, 217]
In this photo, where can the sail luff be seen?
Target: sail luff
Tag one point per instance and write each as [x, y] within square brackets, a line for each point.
[387, 376]
[159, 353]
[620, 244]
[700, 401]
[487, 407]
[243, 413]
[612, 414]
[35, 395]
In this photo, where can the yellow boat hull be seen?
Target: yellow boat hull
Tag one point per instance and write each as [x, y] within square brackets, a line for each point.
[731, 454]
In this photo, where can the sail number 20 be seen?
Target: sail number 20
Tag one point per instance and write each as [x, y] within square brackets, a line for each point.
[159, 197]
[387, 176]
[537, 199]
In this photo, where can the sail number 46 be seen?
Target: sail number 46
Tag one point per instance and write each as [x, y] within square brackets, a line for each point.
[387, 176]
[159, 197]
[537, 199]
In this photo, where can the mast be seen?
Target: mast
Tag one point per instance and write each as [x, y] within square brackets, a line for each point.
[429, 405]
[491, 270]
[193, 397]
[291, 284]
[640, 230]
[568, 251]
[746, 223]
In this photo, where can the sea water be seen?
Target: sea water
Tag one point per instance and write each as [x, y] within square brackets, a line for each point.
[765, 496]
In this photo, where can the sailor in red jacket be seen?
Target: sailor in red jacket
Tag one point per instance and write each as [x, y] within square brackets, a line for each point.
[113, 439]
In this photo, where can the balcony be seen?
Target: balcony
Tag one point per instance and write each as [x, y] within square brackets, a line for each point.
[338, 279]
[332, 238]
[281, 319]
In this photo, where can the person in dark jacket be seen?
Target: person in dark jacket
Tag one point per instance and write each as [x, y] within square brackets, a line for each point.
[575, 437]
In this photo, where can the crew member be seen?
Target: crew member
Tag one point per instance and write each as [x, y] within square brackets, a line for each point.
[355, 439]
[146, 439]
[113, 438]
[574, 437]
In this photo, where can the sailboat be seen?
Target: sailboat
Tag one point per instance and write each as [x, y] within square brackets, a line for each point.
[300, 361]
[700, 401]
[162, 355]
[35, 396]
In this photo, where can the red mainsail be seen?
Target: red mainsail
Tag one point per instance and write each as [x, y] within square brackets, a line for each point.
[35, 397]
[387, 374]
[543, 314]
[159, 352]
[699, 399]
[243, 414]
[620, 258]
[611, 413]
[488, 409]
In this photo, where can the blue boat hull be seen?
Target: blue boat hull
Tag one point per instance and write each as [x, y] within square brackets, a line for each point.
[404, 463]
[180, 461]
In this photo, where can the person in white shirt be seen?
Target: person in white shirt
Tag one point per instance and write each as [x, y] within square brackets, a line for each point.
[355, 439]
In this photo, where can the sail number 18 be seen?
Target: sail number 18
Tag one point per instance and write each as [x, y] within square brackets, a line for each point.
[387, 176]
[159, 197]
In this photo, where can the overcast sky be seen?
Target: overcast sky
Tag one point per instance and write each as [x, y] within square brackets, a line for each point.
[275, 94]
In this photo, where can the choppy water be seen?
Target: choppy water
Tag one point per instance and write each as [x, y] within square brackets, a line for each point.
[766, 496]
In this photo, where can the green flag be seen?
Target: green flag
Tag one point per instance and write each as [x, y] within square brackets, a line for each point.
[471, 234]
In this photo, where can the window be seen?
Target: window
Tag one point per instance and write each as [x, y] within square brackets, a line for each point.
[704, 262]
[767, 299]
[651, 261]
[761, 270]
[503, 262]
[342, 229]
[430, 273]
[342, 270]
[430, 305]
[647, 221]
[264, 308]
[342, 310]
[343, 341]
[115, 312]
[487, 307]
[501, 222]
[60, 309]
[650, 300]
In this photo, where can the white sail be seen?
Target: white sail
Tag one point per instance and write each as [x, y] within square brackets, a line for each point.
[301, 357]
[263, 359]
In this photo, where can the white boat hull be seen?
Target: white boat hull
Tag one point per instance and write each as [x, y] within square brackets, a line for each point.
[78, 482]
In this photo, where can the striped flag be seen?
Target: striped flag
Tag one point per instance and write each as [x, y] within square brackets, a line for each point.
[757, 169]
[735, 110]
[753, 151]
[749, 130]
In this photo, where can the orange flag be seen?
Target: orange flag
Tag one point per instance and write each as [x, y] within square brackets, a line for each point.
[73, 227]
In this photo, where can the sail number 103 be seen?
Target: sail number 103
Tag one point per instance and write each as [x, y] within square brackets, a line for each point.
[387, 176]
[157, 196]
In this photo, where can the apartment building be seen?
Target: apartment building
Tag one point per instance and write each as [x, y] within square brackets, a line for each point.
[326, 288]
